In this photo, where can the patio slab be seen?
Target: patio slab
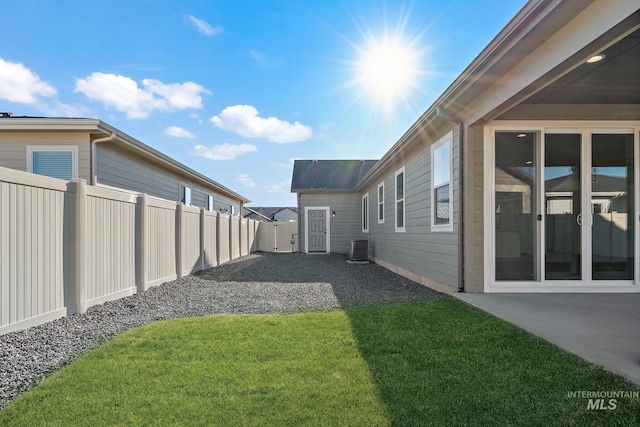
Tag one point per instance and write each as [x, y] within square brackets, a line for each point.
[601, 328]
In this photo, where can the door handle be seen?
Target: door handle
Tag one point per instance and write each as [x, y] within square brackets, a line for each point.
[579, 219]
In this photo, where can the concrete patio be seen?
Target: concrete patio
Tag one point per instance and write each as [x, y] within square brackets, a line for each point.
[601, 328]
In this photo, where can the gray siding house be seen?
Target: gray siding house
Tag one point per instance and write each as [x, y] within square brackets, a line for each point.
[523, 176]
[104, 156]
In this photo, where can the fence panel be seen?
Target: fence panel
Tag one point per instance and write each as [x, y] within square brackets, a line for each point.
[190, 240]
[210, 239]
[235, 237]
[33, 256]
[276, 237]
[111, 245]
[160, 262]
[244, 237]
[224, 253]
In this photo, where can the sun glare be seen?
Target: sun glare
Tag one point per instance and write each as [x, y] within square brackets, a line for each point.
[388, 70]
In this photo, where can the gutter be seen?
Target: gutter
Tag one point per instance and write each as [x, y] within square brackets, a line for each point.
[94, 173]
[442, 113]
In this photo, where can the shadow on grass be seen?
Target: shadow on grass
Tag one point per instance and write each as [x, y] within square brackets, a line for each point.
[438, 361]
[443, 362]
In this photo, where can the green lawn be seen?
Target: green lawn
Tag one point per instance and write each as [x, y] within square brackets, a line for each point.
[437, 362]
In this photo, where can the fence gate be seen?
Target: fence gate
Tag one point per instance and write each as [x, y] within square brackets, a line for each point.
[276, 237]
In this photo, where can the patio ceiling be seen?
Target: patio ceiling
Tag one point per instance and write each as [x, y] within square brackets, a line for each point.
[614, 80]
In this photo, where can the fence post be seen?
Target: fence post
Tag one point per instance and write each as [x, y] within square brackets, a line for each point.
[202, 237]
[217, 238]
[81, 245]
[230, 237]
[142, 243]
[179, 218]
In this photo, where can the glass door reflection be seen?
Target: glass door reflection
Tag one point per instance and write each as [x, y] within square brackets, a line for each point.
[612, 204]
[563, 213]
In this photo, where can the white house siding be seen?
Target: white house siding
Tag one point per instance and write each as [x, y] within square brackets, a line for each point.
[344, 228]
[13, 148]
[418, 253]
[132, 172]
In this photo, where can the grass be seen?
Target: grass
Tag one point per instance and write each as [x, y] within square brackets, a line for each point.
[437, 362]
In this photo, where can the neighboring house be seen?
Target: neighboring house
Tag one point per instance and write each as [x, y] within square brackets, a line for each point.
[102, 155]
[271, 213]
[252, 213]
[523, 176]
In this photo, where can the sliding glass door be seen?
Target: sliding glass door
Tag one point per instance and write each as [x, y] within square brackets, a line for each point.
[564, 206]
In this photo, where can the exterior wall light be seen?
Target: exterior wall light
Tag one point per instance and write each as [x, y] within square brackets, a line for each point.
[333, 215]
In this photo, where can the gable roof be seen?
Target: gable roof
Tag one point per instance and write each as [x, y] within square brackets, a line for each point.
[267, 212]
[328, 175]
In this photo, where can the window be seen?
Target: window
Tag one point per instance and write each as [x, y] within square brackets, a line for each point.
[441, 185]
[381, 203]
[55, 161]
[185, 195]
[210, 203]
[400, 187]
[365, 213]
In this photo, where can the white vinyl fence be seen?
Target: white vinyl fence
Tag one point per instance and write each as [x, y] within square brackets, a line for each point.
[277, 237]
[65, 246]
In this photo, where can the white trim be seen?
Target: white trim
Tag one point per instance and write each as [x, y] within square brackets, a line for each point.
[380, 203]
[403, 200]
[74, 155]
[186, 200]
[584, 128]
[437, 228]
[327, 224]
[364, 213]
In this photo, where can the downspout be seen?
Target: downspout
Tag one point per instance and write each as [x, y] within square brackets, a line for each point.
[94, 173]
[440, 112]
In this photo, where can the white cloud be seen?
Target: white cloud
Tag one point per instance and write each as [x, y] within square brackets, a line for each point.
[278, 187]
[244, 120]
[124, 94]
[224, 151]
[246, 180]
[178, 132]
[19, 84]
[204, 27]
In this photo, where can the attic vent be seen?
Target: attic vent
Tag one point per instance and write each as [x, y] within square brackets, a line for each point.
[362, 162]
[5, 114]
[314, 162]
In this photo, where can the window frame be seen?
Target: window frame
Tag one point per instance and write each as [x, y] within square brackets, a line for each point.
[209, 202]
[399, 172]
[185, 194]
[37, 148]
[447, 139]
[381, 203]
[365, 213]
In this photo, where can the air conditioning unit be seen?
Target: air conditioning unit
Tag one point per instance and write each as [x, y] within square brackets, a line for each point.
[359, 250]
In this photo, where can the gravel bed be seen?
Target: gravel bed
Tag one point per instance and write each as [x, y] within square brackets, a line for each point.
[259, 283]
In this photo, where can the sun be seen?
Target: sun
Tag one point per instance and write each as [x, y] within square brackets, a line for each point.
[388, 69]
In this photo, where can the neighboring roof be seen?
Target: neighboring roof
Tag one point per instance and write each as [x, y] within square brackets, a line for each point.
[269, 212]
[100, 129]
[252, 213]
[328, 175]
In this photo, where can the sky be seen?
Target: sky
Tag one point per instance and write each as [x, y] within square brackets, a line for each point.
[238, 90]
